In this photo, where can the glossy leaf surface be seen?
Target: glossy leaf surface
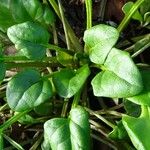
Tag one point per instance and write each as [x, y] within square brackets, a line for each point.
[139, 129]
[27, 90]
[99, 40]
[68, 82]
[29, 38]
[68, 134]
[120, 78]
[143, 98]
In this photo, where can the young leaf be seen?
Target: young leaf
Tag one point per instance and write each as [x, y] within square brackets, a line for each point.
[143, 98]
[6, 18]
[139, 129]
[120, 78]
[100, 39]
[119, 132]
[126, 8]
[145, 7]
[48, 16]
[68, 82]
[68, 134]
[29, 38]
[27, 90]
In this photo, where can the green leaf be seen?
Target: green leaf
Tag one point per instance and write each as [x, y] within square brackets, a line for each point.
[119, 132]
[6, 18]
[100, 39]
[19, 12]
[145, 7]
[131, 108]
[34, 8]
[143, 98]
[30, 39]
[27, 10]
[139, 129]
[48, 16]
[120, 78]
[68, 82]
[27, 90]
[44, 109]
[126, 8]
[141, 43]
[68, 134]
[65, 59]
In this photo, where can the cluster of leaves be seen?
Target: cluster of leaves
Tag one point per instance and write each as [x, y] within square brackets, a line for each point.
[27, 25]
[142, 15]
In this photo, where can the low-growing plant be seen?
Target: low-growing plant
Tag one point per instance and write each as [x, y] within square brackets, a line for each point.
[51, 78]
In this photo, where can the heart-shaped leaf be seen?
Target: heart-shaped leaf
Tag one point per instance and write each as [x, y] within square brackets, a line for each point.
[100, 39]
[68, 134]
[27, 90]
[139, 129]
[143, 98]
[6, 18]
[68, 82]
[29, 38]
[120, 78]
[126, 8]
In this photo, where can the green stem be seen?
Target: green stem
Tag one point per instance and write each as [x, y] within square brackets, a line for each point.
[12, 120]
[141, 50]
[64, 24]
[1, 142]
[25, 59]
[72, 36]
[58, 49]
[76, 99]
[13, 143]
[4, 107]
[37, 143]
[65, 106]
[31, 64]
[101, 118]
[128, 16]
[88, 4]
